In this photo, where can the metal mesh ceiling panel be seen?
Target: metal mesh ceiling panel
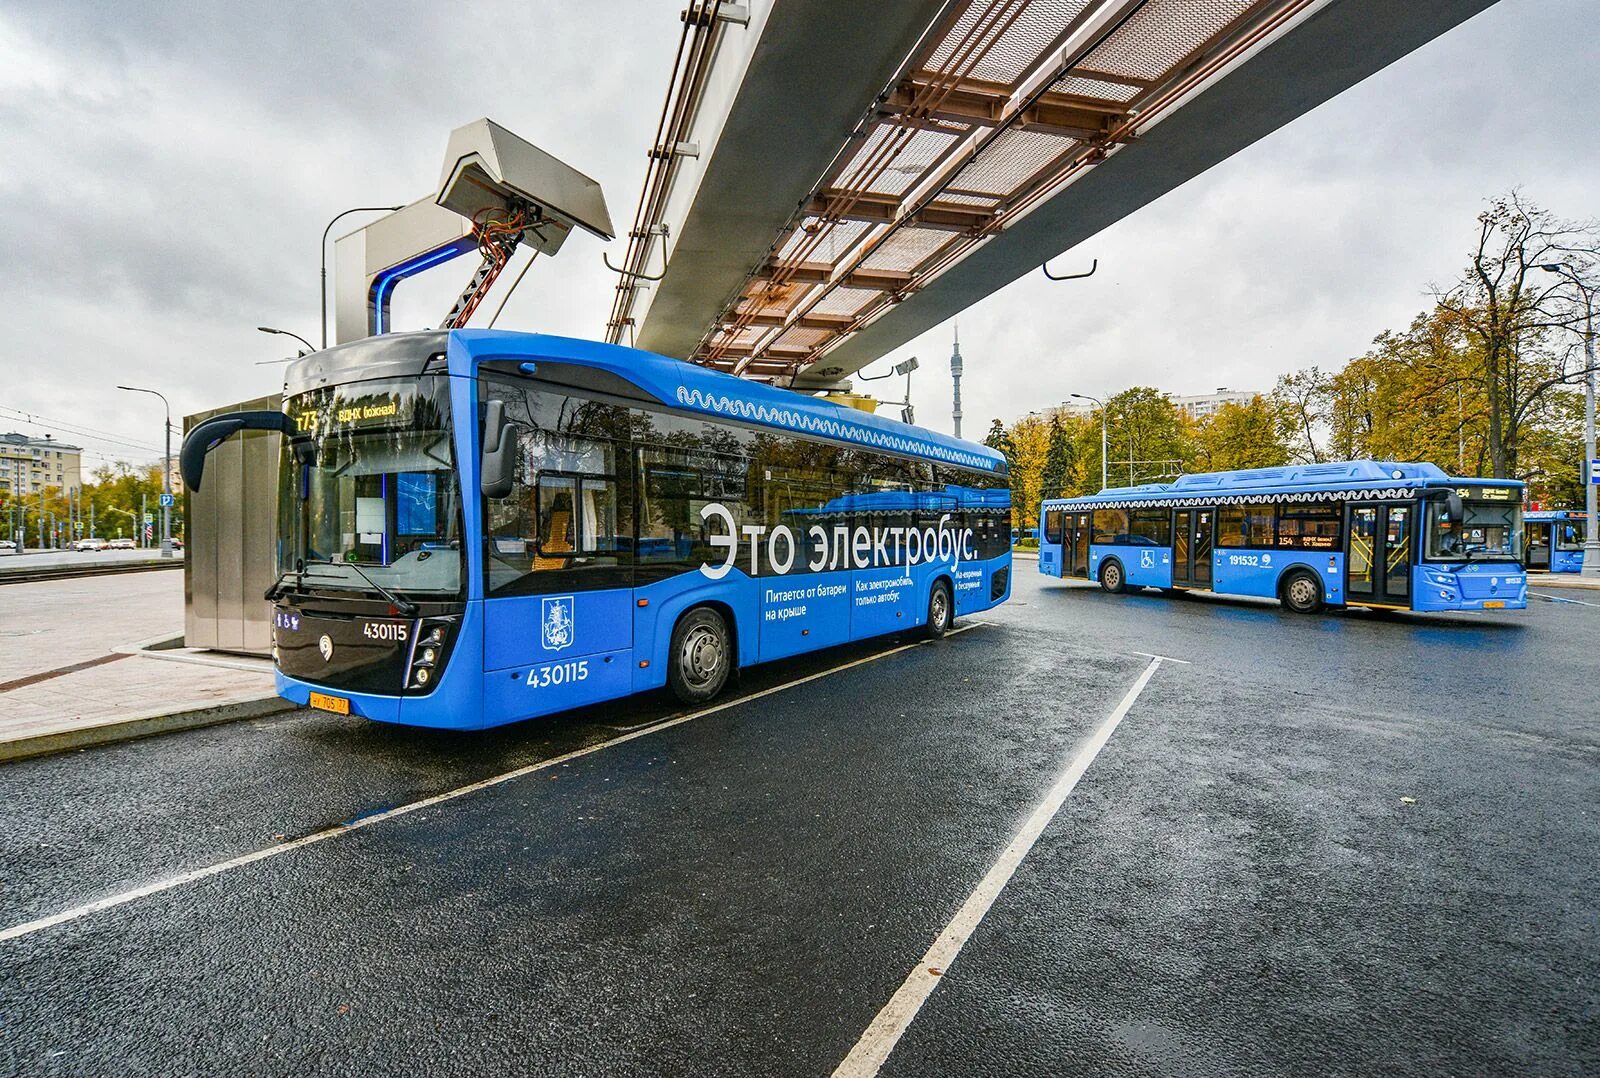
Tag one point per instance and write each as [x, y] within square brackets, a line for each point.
[1104, 91]
[1162, 34]
[1025, 32]
[1013, 158]
[906, 249]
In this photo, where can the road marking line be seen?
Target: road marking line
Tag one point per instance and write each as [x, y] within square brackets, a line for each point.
[872, 1050]
[1163, 658]
[27, 928]
[1546, 598]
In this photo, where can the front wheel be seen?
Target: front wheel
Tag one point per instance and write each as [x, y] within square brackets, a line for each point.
[1112, 578]
[1302, 593]
[701, 656]
[941, 611]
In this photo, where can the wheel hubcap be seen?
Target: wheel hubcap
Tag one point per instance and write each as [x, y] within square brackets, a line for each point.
[1300, 592]
[702, 655]
[940, 608]
[1113, 576]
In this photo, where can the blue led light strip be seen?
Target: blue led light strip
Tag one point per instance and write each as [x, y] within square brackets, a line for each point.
[385, 282]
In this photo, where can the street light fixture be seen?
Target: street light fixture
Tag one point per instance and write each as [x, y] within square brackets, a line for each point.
[1591, 543]
[166, 475]
[285, 333]
[1085, 397]
[324, 257]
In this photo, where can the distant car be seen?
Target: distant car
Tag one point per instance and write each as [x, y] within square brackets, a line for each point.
[7, 544]
[177, 544]
[89, 544]
[120, 544]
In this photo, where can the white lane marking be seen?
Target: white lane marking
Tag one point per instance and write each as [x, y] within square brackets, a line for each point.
[872, 1050]
[1163, 658]
[124, 897]
[1558, 599]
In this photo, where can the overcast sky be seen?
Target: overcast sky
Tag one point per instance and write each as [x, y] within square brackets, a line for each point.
[166, 170]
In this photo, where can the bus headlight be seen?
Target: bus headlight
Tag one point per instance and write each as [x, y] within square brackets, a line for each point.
[426, 655]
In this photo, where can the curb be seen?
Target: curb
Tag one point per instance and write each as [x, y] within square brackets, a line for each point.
[138, 726]
[1571, 585]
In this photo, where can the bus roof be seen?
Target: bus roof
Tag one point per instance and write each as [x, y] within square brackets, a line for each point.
[1339, 479]
[672, 382]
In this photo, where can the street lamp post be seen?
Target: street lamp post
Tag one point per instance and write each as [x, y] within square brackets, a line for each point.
[1591, 542]
[324, 257]
[166, 475]
[1103, 450]
[285, 333]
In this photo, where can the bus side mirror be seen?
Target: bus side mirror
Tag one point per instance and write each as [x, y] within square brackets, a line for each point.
[213, 432]
[499, 470]
[1453, 507]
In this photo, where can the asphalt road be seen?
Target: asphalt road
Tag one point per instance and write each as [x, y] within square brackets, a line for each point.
[1347, 843]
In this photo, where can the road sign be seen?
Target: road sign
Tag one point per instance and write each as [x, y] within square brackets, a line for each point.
[1594, 471]
[167, 500]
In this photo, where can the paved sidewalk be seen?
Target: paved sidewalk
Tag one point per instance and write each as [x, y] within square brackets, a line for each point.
[69, 676]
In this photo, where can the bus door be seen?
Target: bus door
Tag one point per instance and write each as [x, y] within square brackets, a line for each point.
[1191, 548]
[1379, 553]
[1536, 544]
[1075, 552]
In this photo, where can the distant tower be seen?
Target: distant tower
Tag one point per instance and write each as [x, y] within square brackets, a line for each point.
[955, 377]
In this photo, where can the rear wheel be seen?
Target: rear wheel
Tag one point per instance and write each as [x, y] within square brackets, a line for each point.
[701, 656]
[941, 611]
[1112, 578]
[1302, 593]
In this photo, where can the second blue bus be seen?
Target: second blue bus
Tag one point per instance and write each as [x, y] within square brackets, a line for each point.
[1553, 540]
[1352, 533]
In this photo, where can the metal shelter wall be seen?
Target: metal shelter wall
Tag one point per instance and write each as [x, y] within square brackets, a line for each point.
[232, 525]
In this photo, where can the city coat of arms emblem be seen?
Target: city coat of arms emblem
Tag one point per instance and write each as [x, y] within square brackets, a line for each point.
[555, 626]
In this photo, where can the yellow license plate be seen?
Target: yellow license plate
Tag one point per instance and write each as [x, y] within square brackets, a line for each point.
[336, 704]
[1494, 604]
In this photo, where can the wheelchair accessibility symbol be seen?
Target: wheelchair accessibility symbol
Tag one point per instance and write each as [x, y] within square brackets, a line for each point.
[1147, 559]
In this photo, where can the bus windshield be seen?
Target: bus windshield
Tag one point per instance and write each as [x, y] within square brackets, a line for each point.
[1487, 531]
[378, 508]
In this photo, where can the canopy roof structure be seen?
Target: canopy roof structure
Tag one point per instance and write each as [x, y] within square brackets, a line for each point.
[831, 180]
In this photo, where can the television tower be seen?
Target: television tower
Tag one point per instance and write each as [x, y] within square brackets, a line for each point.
[955, 377]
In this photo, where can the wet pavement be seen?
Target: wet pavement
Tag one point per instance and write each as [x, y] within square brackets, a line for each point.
[1347, 843]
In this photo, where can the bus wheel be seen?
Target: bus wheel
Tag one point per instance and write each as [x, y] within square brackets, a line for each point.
[941, 611]
[1302, 593]
[701, 656]
[1111, 577]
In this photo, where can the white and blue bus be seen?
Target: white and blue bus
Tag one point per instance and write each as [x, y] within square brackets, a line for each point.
[478, 527]
[1354, 533]
[1553, 540]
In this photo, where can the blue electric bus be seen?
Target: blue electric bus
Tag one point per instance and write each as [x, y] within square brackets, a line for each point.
[1354, 533]
[477, 527]
[1553, 540]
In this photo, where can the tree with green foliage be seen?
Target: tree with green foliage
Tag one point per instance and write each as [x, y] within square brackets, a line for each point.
[1147, 439]
[1056, 475]
[1239, 436]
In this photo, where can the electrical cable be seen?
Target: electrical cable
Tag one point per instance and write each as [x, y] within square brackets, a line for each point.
[496, 316]
[37, 420]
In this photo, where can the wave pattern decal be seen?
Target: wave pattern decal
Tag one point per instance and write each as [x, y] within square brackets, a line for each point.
[1391, 493]
[804, 422]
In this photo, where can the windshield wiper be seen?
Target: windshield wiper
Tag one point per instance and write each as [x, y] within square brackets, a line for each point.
[404, 605]
[275, 592]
